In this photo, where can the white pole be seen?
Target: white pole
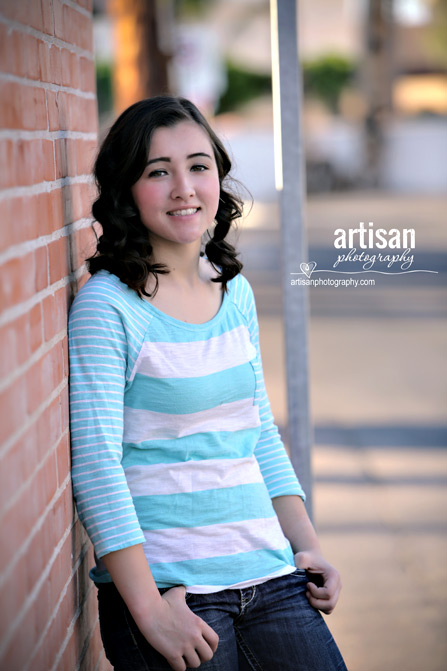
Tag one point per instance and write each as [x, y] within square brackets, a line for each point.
[290, 181]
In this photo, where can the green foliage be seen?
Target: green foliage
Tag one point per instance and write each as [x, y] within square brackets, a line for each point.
[326, 76]
[191, 8]
[104, 89]
[242, 87]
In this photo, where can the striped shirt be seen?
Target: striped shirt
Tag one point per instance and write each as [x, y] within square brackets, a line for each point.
[173, 440]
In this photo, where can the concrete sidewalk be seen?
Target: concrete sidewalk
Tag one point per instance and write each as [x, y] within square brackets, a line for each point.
[378, 397]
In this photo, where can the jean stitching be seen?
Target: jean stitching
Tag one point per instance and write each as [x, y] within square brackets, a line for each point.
[249, 656]
[244, 602]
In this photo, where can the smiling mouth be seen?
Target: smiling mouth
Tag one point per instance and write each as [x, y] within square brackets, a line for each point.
[184, 213]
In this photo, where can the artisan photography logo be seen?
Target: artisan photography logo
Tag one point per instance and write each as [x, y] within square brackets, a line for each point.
[363, 251]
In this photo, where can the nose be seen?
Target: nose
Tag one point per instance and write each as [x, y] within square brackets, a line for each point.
[182, 187]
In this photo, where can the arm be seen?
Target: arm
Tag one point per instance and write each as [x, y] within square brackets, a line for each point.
[98, 361]
[298, 529]
[165, 621]
[283, 486]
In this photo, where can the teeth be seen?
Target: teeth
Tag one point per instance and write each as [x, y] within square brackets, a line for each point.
[183, 213]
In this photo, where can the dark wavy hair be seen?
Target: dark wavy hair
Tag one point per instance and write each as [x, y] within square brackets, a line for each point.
[124, 247]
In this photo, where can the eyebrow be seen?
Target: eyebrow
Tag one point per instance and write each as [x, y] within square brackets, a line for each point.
[168, 160]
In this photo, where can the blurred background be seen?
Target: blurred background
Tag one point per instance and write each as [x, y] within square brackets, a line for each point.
[374, 124]
[374, 128]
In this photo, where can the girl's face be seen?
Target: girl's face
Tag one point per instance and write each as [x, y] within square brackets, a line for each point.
[178, 193]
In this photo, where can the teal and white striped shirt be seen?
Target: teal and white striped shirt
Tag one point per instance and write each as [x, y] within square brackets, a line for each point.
[173, 440]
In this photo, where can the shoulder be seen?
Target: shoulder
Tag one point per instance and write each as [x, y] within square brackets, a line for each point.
[105, 290]
[104, 298]
[241, 293]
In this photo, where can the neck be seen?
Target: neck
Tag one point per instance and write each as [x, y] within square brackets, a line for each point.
[181, 260]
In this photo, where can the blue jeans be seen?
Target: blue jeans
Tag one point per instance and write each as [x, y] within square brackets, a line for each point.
[268, 627]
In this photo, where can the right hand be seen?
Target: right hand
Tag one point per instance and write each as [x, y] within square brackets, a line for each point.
[182, 637]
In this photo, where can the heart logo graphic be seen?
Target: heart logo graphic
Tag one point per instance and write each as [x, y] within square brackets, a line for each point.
[308, 268]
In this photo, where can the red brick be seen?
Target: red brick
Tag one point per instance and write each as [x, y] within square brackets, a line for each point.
[63, 461]
[19, 53]
[80, 540]
[55, 313]
[52, 217]
[13, 595]
[77, 200]
[20, 461]
[31, 449]
[8, 232]
[86, 4]
[41, 261]
[65, 158]
[70, 69]
[58, 259]
[26, 455]
[54, 73]
[28, 161]
[64, 401]
[85, 156]
[35, 14]
[28, 217]
[35, 335]
[20, 338]
[12, 408]
[18, 280]
[83, 245]
[19, 522]
[47, 66]
[47, 16]
[22, 106]
[8, 350]
[54, 122]
[64, 343]
[74, 157]
[44, 657]
[14, 345]
[87, 75]
[30, 566]
[72, 26]
[68, 111]
[28, 633]
[43, 378]
[48, 427]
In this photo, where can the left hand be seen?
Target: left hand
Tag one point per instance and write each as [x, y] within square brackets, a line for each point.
[322, 598]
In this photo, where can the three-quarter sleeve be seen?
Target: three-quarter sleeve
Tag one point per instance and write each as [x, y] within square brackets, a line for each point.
[98, 354]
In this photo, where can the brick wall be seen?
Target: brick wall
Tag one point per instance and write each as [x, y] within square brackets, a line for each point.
[48, 126]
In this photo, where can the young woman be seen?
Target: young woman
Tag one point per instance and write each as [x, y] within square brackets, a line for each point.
[205, 555]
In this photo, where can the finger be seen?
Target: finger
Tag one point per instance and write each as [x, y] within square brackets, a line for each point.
[323, 593]
[320, 604]
[326, 577]
[210, 637]
[325, 605]
[318, 592]
[177, 664]
[192, 659]
[204, 651]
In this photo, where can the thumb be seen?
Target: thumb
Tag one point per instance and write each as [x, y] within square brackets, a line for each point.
[175, 593]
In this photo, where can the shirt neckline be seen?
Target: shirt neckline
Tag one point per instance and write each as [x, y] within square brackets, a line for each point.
[172, 320]
[190, 325]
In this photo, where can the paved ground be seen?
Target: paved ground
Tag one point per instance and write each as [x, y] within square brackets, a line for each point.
[378, 397]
